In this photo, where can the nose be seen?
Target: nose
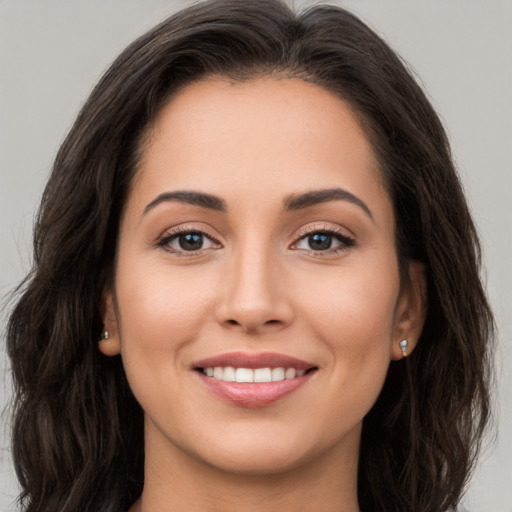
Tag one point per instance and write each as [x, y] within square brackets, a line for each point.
[254, 298]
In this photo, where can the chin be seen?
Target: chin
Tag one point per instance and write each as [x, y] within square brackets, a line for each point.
[262, 452]
[257, 462]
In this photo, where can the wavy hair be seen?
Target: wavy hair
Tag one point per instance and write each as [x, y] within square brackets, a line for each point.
[77, 429]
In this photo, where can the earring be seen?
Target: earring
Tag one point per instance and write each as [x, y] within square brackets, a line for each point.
[105, 335]
[403, 346]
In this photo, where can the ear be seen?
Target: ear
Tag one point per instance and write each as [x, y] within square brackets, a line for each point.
[411, 310]
[110, 346]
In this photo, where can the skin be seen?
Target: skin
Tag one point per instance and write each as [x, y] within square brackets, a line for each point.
[258, 286]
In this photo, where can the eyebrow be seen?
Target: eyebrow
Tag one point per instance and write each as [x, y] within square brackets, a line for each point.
[300, 201]
[291, 203]
[189, 197]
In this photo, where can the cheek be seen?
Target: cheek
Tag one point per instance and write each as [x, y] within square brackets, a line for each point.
[353, 315]
[160, 313]
[157, 299]
[351, 307]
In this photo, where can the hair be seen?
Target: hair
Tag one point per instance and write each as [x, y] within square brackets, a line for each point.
[77, 429]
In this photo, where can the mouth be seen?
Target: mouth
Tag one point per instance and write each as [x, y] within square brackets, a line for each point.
[253, 375]
[253, 380]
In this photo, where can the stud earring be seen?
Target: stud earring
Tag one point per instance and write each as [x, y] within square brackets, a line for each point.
[403, 346]
[105, 335]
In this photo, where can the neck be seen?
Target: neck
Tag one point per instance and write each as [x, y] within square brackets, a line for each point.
[175, 480]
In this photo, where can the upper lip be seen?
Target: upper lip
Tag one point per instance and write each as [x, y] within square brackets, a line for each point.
[251, 360]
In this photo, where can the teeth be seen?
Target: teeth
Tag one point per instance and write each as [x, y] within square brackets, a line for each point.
[244, 375]
[230, 374]
[263, 375]
[278, 374]
[290, 373]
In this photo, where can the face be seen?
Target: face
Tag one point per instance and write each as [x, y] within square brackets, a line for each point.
[257, 243]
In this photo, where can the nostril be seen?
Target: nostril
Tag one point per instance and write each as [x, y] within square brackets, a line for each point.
[253, 324]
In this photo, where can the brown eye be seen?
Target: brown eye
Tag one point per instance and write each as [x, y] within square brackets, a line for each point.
[187, 242]
[190, 241]
[324, 241]
[319, 241]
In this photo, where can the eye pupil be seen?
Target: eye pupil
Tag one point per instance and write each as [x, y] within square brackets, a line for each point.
[191, 241]
[320, 241]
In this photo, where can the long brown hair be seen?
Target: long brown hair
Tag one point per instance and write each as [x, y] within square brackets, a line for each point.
[77, 429]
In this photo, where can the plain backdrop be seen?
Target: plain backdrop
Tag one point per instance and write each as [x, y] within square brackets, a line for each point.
[53, 51]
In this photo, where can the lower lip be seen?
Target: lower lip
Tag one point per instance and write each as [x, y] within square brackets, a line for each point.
[257, 394]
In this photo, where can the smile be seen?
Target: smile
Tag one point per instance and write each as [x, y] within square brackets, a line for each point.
[253, 380]
[249, 375]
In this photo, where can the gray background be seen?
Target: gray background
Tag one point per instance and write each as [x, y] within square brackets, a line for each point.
[53, 51]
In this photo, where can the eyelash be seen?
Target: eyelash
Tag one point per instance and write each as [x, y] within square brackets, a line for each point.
[176, 233]
[345, 241]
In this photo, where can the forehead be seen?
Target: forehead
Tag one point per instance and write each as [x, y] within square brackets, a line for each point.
[265, 135]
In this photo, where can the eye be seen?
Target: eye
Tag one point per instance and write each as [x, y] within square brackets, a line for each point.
[187, 242]
[326, 241]
[317, 242]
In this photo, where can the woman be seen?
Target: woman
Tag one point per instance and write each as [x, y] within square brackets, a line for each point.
[271, 241]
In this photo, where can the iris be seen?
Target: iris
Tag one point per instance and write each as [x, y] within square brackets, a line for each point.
[319, 241]
[191, 241]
